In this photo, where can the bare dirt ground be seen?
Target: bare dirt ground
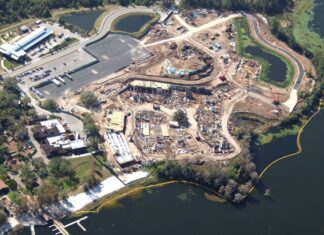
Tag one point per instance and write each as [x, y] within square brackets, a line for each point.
[198, 17]
[256, 106]
[159, 32]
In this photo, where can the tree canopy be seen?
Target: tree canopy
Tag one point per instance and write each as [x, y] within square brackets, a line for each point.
[13, 10]
[89, 100]
[263, 6]
[181, 117]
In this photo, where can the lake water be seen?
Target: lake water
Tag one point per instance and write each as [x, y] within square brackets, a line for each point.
[296, 207]
[83, 20]
[278, 68]
[132, 23]
[318, 21]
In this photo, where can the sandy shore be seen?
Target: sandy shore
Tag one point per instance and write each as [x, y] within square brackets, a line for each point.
[108, 186]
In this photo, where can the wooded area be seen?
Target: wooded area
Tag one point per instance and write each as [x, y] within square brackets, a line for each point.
[262, 6]
[13, 10]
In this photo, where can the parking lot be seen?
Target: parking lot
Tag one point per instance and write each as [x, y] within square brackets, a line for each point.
[113, 53]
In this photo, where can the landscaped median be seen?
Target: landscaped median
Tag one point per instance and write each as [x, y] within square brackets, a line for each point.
[245, 39]
[142, 31]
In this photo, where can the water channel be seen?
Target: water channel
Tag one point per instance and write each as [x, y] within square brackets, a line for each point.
[277, 70]
[318, 21]
[132, 23]
[82, 20]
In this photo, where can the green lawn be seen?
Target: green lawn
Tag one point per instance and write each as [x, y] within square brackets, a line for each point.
[10, 64]
[244, 39]
[82, 167]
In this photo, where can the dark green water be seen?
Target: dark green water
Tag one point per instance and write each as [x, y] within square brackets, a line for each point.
[318, 21]
[297, 206]
[132, 23]
[277, 70]
[84, 20]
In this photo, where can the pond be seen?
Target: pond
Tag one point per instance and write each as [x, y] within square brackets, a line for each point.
[132, 23]
[82, 20]
[278, 68]
[296, 206]
[318, 21]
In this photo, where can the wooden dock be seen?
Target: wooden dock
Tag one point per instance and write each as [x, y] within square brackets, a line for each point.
[60, 229]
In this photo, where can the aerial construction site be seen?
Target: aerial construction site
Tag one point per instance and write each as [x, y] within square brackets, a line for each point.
[176, 102]
[171, 94]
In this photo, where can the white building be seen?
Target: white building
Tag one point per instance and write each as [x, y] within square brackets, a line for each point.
[19, 49]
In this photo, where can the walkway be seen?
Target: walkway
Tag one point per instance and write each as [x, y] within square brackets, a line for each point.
[39, 152]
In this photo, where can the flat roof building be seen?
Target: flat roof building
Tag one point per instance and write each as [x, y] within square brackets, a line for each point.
[120, 149]
[54, 123]
[19, 49]
[116, 121]
[151, 85]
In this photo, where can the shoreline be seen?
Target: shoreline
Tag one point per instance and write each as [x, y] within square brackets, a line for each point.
[110, 185]
[81, 200]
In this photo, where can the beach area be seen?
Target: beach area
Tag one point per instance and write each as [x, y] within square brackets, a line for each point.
[108, 186]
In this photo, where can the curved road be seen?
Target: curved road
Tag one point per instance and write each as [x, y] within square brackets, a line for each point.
[300, 67]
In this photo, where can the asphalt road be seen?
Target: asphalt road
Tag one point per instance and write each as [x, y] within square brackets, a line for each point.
[289, 54]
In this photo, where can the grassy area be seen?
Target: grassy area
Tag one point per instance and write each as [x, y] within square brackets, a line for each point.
[244, 39]
[9, 64]
[266, 138]
[15, 26]
[142, 31]
[57, 13]
[84, 165]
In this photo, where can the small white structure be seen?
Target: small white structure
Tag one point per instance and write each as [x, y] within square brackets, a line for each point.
[54, 123]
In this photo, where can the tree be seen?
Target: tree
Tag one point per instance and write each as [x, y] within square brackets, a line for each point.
[90, 126]
[3, 216]
[40, 167]
[238, 198]
[21, 133]
[89, 99]
[59, 167]
[91, 181]
[11, 85]
[12, 184]
[189, 94]
[28, 177]
[50, 105]
[181, 117]
[47, 194]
